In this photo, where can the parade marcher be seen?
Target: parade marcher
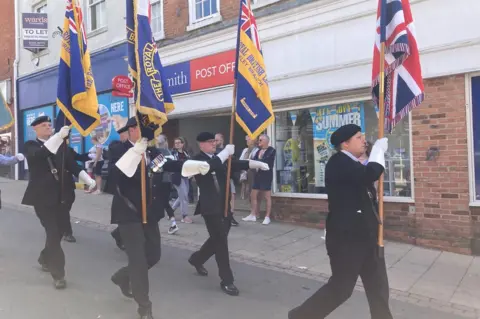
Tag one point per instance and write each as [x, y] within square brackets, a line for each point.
[352, 224]
[211, 205]
[9, 161]
[141, 241]
[51, 190]
[109, 185]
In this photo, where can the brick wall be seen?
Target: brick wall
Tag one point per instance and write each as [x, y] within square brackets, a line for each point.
[7, 49]
[176, 17]
[441, 217]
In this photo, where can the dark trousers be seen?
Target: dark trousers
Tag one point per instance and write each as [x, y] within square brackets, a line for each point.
[52, 219]
[142, 245]
[349, 259]
[217, 244]
[66, 224]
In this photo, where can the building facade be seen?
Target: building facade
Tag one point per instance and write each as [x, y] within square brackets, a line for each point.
[7, 61]
[38, 69]
[318, 56]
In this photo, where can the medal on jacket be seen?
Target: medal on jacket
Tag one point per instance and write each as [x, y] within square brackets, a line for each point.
[157, 163]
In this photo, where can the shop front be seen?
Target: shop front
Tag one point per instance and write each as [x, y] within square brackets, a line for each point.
[37, 96]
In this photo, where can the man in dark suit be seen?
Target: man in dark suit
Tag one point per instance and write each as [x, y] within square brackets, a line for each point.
[352, 225]
[211, 205]
[141, 241]
[110, 187]
[51, 190]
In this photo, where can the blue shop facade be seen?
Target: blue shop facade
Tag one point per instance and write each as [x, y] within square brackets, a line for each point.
[37, 95]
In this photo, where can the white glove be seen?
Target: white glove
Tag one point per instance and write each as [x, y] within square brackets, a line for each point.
[140, 146]
[54, 142]
[191, 168]
[226, 152]
[128, 163]
[86, 179]
[377, 154]
[20, 157]
[258, 165]
[64, 132]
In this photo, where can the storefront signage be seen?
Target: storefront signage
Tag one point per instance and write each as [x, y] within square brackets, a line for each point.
[326, 120]
[202, 73]
[113, 116]
[122, 86]
[35, 31]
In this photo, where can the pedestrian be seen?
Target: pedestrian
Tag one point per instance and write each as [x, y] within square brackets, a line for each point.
[181, 183]
[142, 241]
[96, 155]
[166, 185]
[51, 190]
[262, 181]
[211, 205]
[352, 224]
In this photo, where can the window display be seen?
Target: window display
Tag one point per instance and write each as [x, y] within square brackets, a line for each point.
[302, 140]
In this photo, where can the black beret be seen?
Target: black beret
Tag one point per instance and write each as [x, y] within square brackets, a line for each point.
[40, 120]
[122, 130]
[344, 133]
[132, 122]
[205, 136]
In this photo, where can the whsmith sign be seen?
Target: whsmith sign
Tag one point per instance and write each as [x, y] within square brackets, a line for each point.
[35, 31]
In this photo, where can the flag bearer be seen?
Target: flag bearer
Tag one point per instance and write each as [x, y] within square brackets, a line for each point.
[352, 224]
[51, 190]
[211, 205]
[141, 241]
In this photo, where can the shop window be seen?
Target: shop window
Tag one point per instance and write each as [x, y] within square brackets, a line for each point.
[302, 140]
[203, 13]
[476, 133]
[97, 15]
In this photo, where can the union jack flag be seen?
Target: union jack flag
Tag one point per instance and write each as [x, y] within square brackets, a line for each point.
[404, 88]
[249, 24]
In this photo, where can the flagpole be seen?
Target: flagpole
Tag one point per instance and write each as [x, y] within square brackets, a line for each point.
[143, 174]
[229, 164]
[381, 131]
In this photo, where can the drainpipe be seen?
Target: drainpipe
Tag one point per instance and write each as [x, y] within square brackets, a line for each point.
[15, 76]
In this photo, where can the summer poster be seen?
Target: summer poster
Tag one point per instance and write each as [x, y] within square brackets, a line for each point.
[326, 120]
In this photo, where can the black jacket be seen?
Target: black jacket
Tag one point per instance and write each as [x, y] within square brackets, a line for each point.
[352, 199]
[127, 196]
[43, 189]
[211, 200]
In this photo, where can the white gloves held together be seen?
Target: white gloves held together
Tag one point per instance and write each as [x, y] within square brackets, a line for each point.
[54, 142]
[377, 154]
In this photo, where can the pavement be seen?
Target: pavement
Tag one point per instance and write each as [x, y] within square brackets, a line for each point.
[277, 267]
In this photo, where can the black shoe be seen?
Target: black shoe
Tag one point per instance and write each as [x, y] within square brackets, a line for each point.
[145, 313]
[200, 269]
[70, 238]
[234, 222]
[230, 289]
[60, 283]
[294, 314]
[125, 288]
[146, 316]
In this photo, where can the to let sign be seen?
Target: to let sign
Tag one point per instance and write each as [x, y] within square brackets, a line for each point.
[122, 86]
[35, 31]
